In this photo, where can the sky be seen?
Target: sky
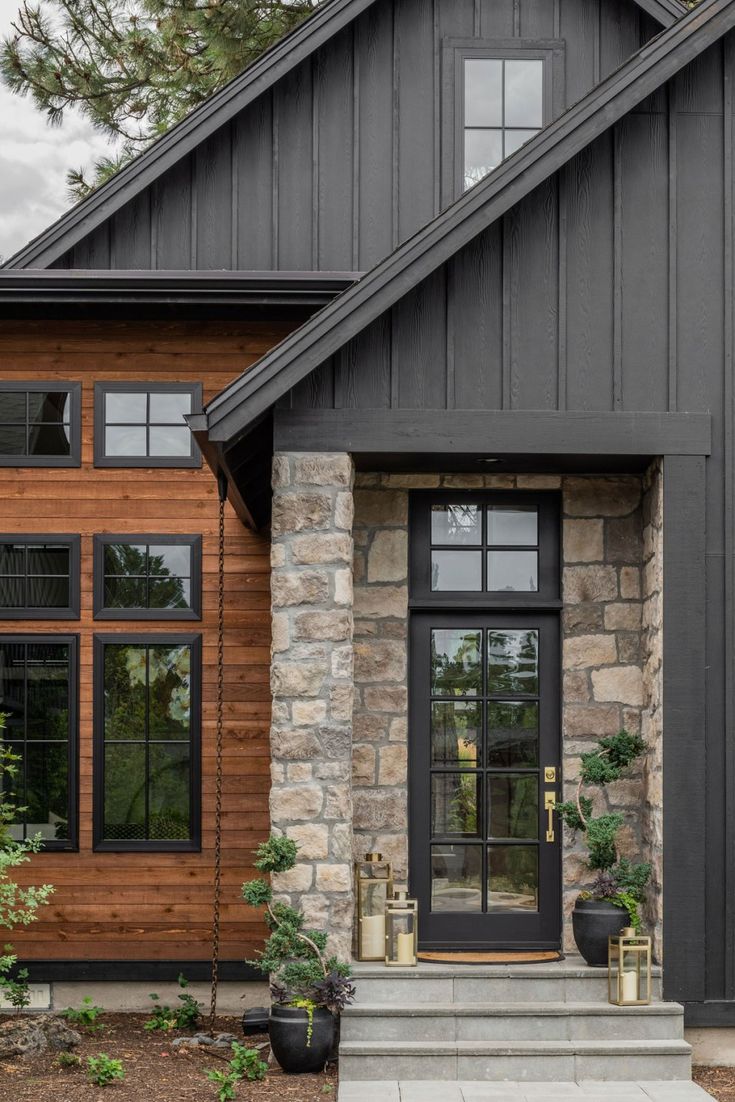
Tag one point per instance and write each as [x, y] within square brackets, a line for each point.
[34, 160]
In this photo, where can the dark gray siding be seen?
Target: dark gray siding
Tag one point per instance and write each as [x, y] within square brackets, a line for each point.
[609, 289]
[342, 160]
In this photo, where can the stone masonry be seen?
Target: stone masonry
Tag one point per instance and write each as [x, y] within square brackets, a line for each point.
[312, 686]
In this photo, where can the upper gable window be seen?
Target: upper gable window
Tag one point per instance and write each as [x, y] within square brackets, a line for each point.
[503, 108]
[142, 425]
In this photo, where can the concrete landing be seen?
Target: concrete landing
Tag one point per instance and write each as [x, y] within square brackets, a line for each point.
[431, 1091]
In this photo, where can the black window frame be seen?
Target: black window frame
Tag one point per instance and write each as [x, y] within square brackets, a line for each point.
[455, 51]
[102, 612]
[548, 594]
[29, 612]
[193, 844]
[74, 458]
[70, 844]
[102, 389]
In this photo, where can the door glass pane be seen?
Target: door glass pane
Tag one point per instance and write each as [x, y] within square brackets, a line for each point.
[483, 91]
[512, 661]
[513, 878]
[512, 733]
[524, 87]
[513, 805]
[456, 733]
[514, 571]
[456, 570]
[512, 526]
[455, 800]
[459, 524]
[483, 151]
[456, 664]
[456, 878]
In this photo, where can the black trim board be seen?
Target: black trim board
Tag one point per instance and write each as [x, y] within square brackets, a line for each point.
[136, 971]
[326, 22]
[248, 397]
[447, 432]
[711, 1014]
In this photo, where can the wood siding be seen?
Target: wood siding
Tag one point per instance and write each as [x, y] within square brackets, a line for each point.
[610, 288]
[343, 159]
[151, 906]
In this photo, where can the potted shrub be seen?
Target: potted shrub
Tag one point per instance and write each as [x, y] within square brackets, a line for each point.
[619, 884]
[307, 987]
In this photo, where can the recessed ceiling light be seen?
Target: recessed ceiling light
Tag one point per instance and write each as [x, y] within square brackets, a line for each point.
[488, 459]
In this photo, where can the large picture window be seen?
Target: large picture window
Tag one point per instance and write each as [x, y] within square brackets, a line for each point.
[147, 736]
[39, 577]
[40, 424]
[142, 424]
[38, 694]
[147, 577]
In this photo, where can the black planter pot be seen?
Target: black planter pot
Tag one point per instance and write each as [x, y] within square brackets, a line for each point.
[593, 922]
[288, 1036]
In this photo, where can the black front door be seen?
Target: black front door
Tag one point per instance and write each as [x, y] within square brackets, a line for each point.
[484, 720]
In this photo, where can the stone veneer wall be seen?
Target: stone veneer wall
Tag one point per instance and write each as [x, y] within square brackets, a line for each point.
[611, 658]
[312, 686]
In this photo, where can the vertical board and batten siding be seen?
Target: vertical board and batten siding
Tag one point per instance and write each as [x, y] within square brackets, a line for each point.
[344, 158]
[151, 906]
[609, 288]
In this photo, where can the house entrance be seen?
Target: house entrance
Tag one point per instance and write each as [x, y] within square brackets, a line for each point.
[484, 728]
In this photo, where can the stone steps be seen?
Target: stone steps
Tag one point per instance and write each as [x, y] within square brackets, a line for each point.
[535, 1061]
[561, 1021]
[542, 1022]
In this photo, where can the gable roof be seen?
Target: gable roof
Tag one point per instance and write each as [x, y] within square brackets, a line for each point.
[182, 138]
[249, 397]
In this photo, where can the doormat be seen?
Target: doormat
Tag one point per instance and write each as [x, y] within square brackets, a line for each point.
[497, 957]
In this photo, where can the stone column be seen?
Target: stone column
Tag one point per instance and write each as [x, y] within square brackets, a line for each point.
[312, 685]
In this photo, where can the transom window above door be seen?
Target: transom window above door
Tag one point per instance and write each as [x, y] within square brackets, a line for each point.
[143, 425]
[502, 545]
[503, 108]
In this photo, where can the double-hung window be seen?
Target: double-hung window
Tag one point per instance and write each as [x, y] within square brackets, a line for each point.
[38, 694]
[147, 739]
[40, 424]
[143, 424]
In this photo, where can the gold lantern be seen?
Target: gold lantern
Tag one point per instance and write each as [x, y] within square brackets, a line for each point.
[374, 880]
[401, 931]
[629, 969]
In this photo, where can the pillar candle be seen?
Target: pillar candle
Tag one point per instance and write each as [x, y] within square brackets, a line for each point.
[405, 948]
[630, 987]
[373, 936]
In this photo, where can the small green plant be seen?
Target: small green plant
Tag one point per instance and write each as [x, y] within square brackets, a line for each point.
[225, 1083]
[167, 1018]
[103, 1069]
[69, 1060]
[246, 1063]
[309, 1006]
[16, 991]
[86, 1015]
[620, 881]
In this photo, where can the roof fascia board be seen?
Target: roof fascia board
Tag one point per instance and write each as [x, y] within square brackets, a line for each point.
[181, 139]
[351, 312]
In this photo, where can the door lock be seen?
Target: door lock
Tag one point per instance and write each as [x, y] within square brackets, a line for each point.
[549, 805]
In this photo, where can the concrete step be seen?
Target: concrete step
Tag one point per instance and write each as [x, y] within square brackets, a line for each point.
[512, 1021]
[570, 980]
[520, 1061]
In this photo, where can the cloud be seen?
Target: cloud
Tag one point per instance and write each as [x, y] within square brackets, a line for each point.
[34, 160]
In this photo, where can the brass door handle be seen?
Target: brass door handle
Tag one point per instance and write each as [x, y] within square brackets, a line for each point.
[549, 805]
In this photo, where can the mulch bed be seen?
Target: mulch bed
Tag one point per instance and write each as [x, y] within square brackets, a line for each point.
[720, 1082]
[154, 1071]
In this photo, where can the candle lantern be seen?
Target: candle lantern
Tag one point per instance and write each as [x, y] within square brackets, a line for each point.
[629, 969]
[401, 931]
[374, 880]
